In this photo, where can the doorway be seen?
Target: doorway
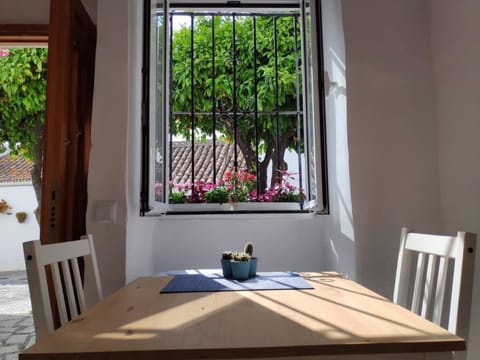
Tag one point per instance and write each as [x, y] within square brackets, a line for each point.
[23, 53]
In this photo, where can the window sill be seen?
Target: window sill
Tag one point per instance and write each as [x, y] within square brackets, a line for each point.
[236, 216]
[243, 211]
[234, 208]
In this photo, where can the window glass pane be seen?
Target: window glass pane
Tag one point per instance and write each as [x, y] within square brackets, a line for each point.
[157, 98]
[310, 90]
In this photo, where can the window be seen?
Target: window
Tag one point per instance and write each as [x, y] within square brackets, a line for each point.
[233, 118]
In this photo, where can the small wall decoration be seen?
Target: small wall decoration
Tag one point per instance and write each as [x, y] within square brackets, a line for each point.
[21, 216]
[4, 207]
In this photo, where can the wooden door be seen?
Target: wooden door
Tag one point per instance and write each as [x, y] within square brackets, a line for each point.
[71, 64]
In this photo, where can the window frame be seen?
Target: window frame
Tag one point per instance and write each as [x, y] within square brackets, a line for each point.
[150, 207]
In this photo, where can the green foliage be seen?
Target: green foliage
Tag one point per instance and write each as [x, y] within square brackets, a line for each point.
[177, 197]
[223, 87]
[22, 99]
[220, 92]
[217, 195]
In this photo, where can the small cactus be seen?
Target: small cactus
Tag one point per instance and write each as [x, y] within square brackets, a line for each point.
[241, 256]
[227, 255]
[248, 249]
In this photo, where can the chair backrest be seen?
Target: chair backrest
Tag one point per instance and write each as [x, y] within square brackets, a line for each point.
[422, 273]
[71, 296]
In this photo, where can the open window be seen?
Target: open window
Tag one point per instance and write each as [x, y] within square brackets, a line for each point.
[233, 115]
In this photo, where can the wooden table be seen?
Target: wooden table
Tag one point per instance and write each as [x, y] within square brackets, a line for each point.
[337, 317]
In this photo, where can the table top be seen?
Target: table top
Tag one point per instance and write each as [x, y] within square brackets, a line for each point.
[338, 316]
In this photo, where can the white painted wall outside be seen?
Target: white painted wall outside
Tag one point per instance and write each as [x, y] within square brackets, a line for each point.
[20, 197]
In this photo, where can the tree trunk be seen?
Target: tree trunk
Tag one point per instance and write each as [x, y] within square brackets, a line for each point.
[263, 167]
[278, 157]
[270, 153]
[251, 156]
[36, 172]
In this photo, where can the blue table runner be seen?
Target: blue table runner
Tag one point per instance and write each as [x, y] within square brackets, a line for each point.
[210, 282]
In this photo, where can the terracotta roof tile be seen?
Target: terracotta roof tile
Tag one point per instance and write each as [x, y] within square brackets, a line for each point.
[182, 164]
[15, 169]
[18, 169]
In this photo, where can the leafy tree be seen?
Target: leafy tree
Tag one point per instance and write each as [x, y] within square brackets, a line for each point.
[22, 107]
[274, 135]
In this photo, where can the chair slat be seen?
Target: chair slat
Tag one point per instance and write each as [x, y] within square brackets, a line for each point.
[62, 310]
[428, 288]
[78, 285]
[417, 289]
[440, 290]
[67, 276]
[54, 253]
[431, 244]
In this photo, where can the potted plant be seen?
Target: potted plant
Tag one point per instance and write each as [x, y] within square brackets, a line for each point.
[227, 257]
[240, 266]
[248, 249]
[217, 195]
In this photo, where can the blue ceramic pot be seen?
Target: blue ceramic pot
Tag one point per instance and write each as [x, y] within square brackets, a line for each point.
[240, 270]
[227, 268]
[253, 267]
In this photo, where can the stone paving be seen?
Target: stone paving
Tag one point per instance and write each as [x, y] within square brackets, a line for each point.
[16, 322]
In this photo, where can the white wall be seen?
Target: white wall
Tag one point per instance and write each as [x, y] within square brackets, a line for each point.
[337, 228]
[455, 31]
[413, 102]
[107, 172]
[21, 198]
[392, 131]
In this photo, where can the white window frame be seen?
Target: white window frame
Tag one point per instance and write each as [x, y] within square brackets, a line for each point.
[318, 146]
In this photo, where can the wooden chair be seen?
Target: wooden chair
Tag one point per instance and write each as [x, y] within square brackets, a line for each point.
[67, 282]
[422, 285]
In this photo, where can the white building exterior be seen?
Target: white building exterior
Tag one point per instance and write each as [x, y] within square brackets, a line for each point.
[17, 190]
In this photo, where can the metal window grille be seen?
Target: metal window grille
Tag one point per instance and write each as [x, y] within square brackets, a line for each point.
[231, 111]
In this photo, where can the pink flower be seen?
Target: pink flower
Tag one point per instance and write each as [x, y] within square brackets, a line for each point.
[158, 189]
[4, 52]
[290, 186]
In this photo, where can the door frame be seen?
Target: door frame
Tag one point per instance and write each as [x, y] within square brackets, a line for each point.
[24, 35]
